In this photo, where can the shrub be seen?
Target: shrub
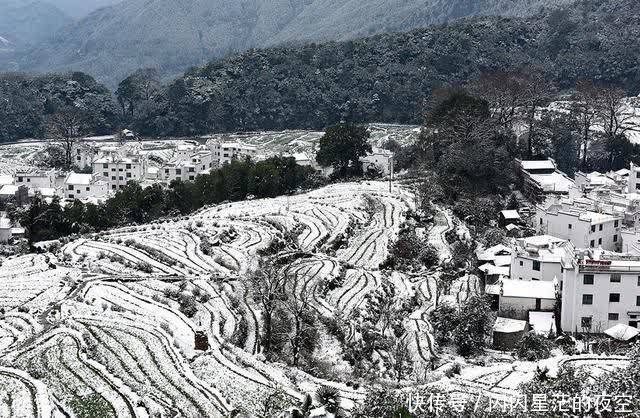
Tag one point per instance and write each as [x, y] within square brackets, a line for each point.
[532, 347]
[329, 397]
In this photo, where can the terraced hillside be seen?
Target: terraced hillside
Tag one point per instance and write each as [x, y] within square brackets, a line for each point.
[99, 324]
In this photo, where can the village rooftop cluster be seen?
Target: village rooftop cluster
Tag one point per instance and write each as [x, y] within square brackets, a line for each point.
[580, 245]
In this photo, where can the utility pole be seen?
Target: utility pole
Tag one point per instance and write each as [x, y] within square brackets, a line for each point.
[390, 173]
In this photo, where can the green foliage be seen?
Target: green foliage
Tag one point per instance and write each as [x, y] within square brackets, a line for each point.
[133, 204]
[532, 347]
[382, 403]
[329, 397]
[445, 320]
[467, 327]
[342, 146]
[30, 99]
[410, 252]
[91, 406]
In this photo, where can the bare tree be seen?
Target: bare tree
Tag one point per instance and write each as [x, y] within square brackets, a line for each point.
[584, 107]
[613, 112]
[400, 358]
[268, 290]
[66, 126]
[297, 303]
[512, 95]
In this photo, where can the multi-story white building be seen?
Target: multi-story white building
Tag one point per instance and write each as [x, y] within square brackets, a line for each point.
[224, 152]
[36, 179]
[187, 169]
[118, 171]
[633, 182]
[184, 152]
[583, 228]
[602, 291]
[541, 258]
[85, 186]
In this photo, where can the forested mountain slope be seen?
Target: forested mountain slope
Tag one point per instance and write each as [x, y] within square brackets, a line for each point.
[24, 22]
[173, 35]
[388, 77]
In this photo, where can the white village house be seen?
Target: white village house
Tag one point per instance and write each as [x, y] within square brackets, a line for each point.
[85, 186]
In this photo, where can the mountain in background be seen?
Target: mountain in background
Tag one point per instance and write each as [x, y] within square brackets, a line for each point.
[172, 35]
[27, 22]
[80, 8]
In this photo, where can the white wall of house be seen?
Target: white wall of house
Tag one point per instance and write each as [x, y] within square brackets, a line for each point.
[582, 233]
[118, 173]
[84, 191]
[531, 268]
[574, 308]
[36, 180]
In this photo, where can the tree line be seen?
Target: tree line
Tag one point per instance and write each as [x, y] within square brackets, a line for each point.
[385, 78]
[237, 180]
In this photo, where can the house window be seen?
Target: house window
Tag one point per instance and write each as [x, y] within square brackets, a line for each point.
[78, 158]
[593, 228]
[585, 322]
[113, 177]
[178, 171]
[541, 221]
[120, 178]
[70, 196]
[615, 238]
[20, 179]
[614, 316]
[191, 169]
[113, 186]
[105, 165]
[113, 169]
[88, 188]
[587, 299]
[588, 279]
[70, 187]
[191, 177]
[166, 171]
[637, 300]
[616, 223]
[614, 297]
[78, 191]
[600, 227]
[120, 170]
[106, 174]
[599, 241]
[638, 280]
[128, 166]
[522, 264]
[592, 243]
[615, 277]
[536, 265]
[128, 175]
[28, 180]
[570, 226]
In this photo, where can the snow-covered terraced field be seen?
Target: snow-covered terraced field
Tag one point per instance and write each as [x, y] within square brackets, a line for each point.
[106, 325]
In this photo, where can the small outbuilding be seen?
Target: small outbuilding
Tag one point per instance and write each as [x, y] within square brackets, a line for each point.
[507, 217]
[623, 332]
[507, 332]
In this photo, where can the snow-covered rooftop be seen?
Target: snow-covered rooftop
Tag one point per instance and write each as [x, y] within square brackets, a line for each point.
[508, 325]
[79, 179]
[510, 214]
[553, 182]
[538, 165]
[622, 332]
[6, 179]
[8, 190]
